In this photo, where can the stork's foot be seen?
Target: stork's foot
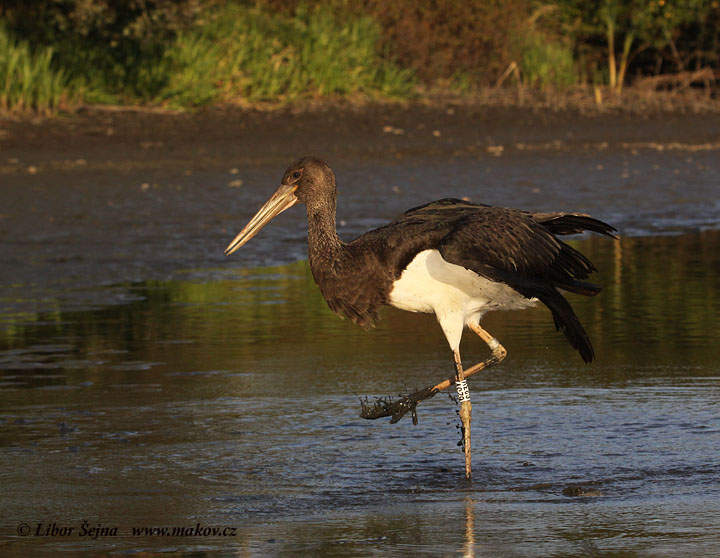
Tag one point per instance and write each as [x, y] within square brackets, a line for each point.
[397, 409]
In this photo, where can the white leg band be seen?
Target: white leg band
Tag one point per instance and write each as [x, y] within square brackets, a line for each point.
[463, 390]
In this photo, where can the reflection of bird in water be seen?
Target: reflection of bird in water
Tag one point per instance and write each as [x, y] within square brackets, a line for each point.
[469, 547]
[453, 258]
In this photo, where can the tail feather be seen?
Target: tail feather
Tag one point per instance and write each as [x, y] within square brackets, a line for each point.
[579, 287]
[573, 223]
[570, 268]
[572, 262]
[567, 322]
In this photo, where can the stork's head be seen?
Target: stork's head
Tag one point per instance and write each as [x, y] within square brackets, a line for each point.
[308, 180]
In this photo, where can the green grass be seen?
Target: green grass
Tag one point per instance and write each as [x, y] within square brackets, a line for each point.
[240, 54]
[246, 53]
[546, 63]
[28, 80]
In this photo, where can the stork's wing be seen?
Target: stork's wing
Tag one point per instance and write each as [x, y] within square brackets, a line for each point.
[519, 249]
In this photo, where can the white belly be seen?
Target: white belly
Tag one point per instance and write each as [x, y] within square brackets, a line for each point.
[457, 296]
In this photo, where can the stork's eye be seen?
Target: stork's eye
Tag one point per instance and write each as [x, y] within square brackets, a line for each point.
[296, 174]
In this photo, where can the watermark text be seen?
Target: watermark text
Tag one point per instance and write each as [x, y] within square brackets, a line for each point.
[94, 531]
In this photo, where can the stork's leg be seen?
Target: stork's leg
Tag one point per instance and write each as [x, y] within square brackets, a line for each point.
[498, 354]
[399, 407]
[465, 411]
[498, 351]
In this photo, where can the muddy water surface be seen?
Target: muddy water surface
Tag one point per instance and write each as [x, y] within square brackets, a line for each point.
[149, 384]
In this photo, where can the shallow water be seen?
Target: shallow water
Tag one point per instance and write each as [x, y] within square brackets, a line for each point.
[147, 381]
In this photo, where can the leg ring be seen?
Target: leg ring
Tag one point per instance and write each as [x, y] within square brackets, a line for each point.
[463, 390]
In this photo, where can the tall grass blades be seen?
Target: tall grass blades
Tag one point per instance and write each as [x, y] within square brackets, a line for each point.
[28, 82]
[546, 63]
[247, 53]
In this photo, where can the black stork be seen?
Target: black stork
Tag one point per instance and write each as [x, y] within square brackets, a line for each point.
[452, 258]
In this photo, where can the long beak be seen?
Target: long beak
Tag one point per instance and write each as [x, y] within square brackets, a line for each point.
[282, 199]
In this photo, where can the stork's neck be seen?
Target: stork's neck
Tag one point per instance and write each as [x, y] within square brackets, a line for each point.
[324, 245]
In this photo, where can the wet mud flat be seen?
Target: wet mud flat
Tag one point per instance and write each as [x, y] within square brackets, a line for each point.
[147, 382]
[337, 133]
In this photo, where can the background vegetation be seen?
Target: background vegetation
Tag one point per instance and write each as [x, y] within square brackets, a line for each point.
[59, 54]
